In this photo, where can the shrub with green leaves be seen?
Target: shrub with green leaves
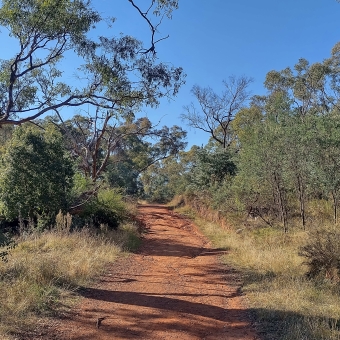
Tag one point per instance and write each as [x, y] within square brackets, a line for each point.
[36, 175]
[212, 167]
[107, 208]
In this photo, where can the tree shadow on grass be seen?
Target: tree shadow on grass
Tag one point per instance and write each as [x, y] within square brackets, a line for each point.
[285, 325]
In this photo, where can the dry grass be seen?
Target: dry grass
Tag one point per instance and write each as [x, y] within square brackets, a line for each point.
[44, 268]
[286, 305]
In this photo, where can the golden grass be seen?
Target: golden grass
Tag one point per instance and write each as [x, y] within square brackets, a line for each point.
[44, 268]
[285, 304]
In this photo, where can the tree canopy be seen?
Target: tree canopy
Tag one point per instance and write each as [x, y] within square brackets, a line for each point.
[216, 112]
[36, 174]
[115, 73]
[113, 77]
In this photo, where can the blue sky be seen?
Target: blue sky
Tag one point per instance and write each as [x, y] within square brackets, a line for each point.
[213, 39]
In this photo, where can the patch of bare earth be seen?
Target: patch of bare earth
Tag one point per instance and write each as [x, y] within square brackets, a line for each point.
[174, 288]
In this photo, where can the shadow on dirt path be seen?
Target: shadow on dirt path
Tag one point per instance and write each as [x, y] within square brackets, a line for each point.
[174, 288]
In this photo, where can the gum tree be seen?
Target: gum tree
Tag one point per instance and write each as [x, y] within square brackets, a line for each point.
[214, 112]
[103, 139]
[119, 74]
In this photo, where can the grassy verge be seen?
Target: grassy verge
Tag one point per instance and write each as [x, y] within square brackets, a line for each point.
[44, 269]
[286, 305]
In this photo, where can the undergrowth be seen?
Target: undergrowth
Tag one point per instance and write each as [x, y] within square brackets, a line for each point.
[45, 268]
[286, 304]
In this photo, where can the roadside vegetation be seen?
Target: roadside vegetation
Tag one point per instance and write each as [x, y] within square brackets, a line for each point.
[72, 148]
[266, 187]
[41, 275]
[285, 303]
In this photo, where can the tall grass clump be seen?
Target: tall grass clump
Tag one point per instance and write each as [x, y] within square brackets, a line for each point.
[322, 254]
[45, 267]
[288, 303]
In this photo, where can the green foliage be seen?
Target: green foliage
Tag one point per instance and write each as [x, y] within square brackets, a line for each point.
[47, 31]
[107, 208]
[289, 144]
[326, 158]
[285, 145]
[119, 75]
[168, 177]
[118, 149]
[137, 155]
[123, 175]
[212, 168]
[156, 187]
[36, 174]
[80, 184]
[6, 133]
[48, 17]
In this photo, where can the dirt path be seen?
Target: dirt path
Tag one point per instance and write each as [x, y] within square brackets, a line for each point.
[174, 288]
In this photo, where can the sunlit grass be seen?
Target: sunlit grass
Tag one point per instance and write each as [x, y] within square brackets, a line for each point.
[44, 269]
[286, 305]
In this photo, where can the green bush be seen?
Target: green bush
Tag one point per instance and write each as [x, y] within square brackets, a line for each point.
[36, 175]
[108, 208]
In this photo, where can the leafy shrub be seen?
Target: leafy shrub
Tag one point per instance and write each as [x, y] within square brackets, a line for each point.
[212, 168]
[36, 175]
[322, 253]
[107, 208]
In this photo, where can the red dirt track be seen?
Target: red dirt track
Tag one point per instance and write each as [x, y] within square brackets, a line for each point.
[174, 288]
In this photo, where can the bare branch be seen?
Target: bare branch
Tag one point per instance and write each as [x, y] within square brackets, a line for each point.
[153, 28]
[216, 112]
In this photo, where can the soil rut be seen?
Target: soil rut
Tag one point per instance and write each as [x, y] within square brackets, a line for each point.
[174, 288]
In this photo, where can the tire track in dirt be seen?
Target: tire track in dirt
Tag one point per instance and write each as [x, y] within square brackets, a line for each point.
[174, 288]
